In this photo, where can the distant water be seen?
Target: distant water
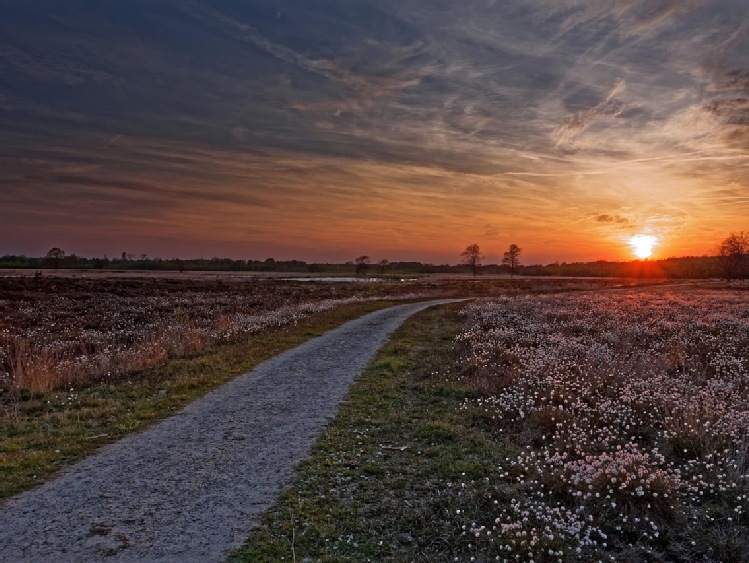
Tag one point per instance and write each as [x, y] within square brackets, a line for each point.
[334, 279]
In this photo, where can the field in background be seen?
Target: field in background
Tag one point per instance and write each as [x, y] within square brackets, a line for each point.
[62, 332]
[69, 328]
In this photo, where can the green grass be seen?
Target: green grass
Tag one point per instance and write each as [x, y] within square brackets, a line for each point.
[386, 479]
[42, 433]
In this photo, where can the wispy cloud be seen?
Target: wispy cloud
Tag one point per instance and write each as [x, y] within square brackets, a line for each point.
[610, 106]
[544, 121]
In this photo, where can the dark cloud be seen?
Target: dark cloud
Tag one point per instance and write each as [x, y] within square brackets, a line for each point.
[490, 231]
[616, 219]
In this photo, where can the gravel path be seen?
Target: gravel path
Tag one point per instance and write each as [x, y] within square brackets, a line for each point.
[192, 487]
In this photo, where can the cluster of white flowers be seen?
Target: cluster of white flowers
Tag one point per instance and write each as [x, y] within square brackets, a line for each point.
[631, 410]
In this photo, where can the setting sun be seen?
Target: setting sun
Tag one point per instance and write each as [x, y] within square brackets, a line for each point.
[642, 245]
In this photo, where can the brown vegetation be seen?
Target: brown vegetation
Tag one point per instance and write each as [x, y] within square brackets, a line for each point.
[59, 332]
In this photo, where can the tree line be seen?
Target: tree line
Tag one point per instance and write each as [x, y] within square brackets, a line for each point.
[57, 258]
[729, 261]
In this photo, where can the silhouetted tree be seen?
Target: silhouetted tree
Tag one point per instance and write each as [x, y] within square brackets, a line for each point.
[55, 257]
[733, 253]
[472, 257]
[383, 265]
[511, 258]
[361, 264]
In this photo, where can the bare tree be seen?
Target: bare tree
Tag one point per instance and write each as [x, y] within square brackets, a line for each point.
[511, 258]
[472, 257]
[55, 257]
[733, 253]
[361, 264]
[383, 265]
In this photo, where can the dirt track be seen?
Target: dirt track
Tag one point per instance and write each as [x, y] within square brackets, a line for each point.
[192, 487]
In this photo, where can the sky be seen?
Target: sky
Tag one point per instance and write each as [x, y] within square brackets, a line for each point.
[399, 129]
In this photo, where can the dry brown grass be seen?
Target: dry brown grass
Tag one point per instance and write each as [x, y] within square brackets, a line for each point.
[32, 369]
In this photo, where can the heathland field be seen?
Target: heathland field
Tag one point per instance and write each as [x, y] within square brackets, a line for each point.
[572, 427]
[557, 421]
[61, 332]
[630, 415]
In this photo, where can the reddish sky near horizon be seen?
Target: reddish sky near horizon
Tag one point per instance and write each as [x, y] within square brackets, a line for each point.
[400, 129]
